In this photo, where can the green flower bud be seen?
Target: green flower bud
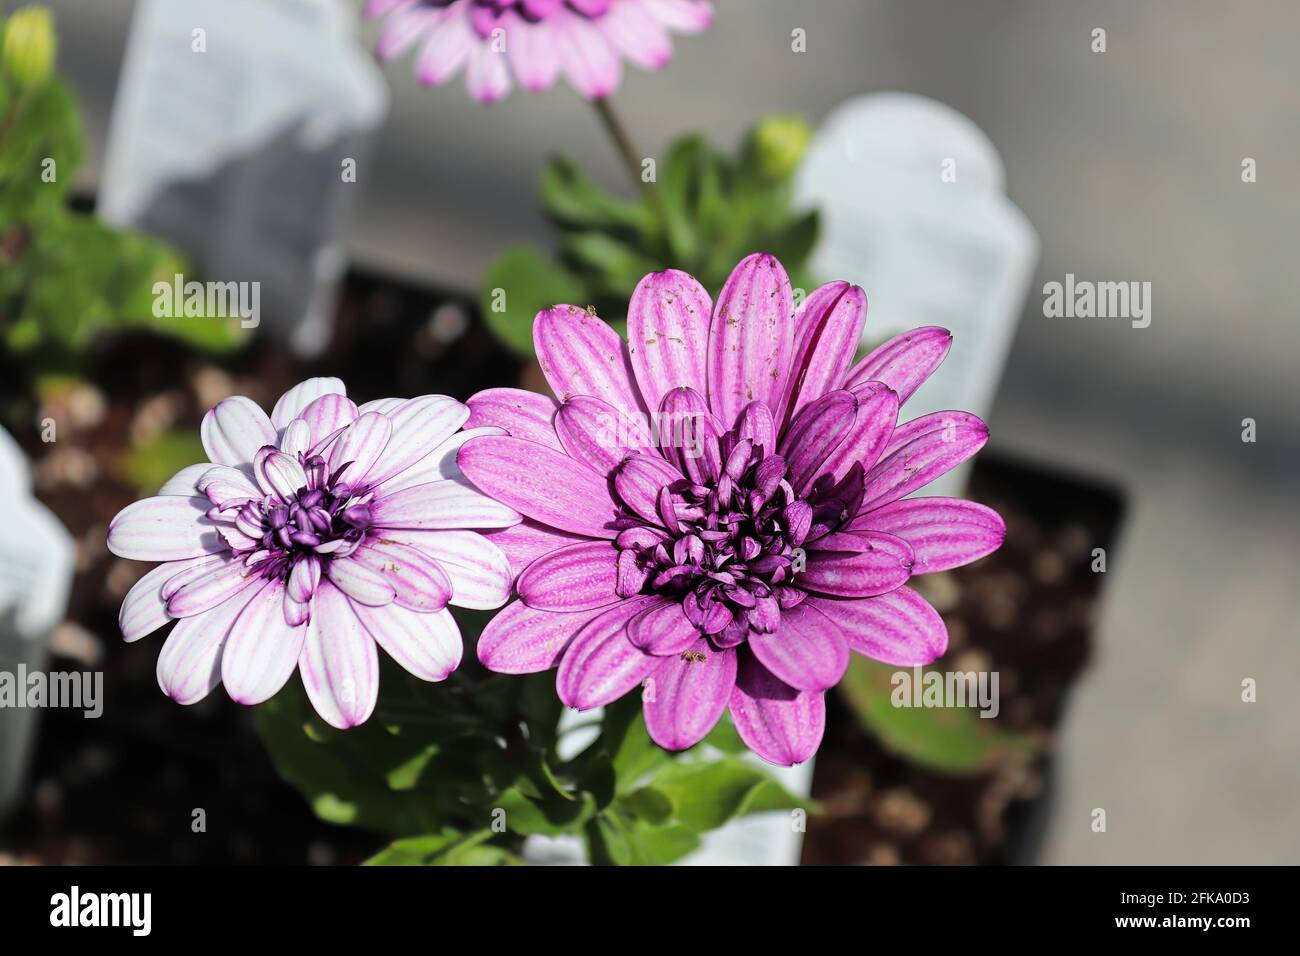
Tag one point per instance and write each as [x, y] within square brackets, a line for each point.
[29, 46]
[779, 143]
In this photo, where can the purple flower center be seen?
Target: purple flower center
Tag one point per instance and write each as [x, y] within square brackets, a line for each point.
[326, 517]
[733, 548]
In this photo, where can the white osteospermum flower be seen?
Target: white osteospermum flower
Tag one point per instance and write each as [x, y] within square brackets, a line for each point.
[310, 536]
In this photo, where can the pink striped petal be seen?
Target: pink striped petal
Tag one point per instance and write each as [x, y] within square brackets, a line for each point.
[885, 565]
[828, 326]
[440, 506]
[208, 590]
[295, 612]
[327, 416]
[904, 362]
[597, 434]
[543, 484]
[185, 481]
[523, 640]
[663, 630]
[639, 480]
[261, 650]
[685, 16]
[589, 61]
[868, 436]
[195, 569]
[338, 663]
[190, 663]
[279, 474]
[751, 338]
[521, 414]
[575, 578]
[479, 572]
[304, 578]
[807, 651]
[418, 427]
[944, 533]
[438, 465]
[780, 724]
[899, 628]
[419, 582]
[292, 402]
[686, 696]
[527, 541]
[688, 433]
[637, 35]
[360, 446]
[144, 609]
[448, 47]
[815, 434]
[234, 430]
[168, 528]
[427, 646]
[756, 424]
[668, 334]
[581, 355]
[943, 425]
[384, 406]
[921, 460]
[533, 55]
[487, 77]
[296, 438]
[403, 28]
[601, 665]
[361, 582]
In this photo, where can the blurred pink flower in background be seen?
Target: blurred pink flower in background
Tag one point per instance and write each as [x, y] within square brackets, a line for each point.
[534, 41]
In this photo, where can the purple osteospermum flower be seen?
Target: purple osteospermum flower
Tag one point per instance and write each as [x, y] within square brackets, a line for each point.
[584, 39]
[310, 536]
[733, 555]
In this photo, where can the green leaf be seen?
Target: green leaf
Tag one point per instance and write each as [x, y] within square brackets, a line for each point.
[446, 848]
[705, 795]
[38, 125]
[614, 840]
[519, 284]
[633, 754]
[649, 804]
[723, 737]
[952, 740]
[573, 200]
[148, 465]
[794, 243]
[610, 266]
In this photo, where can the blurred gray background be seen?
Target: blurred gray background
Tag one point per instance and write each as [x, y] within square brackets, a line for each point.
[1128, 165]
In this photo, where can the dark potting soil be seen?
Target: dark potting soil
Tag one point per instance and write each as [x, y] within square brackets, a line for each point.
[126, 788]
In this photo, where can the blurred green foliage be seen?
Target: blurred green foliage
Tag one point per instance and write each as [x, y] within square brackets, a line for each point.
[462, 772]
[65, 276]
[951, 740]
[704, 213]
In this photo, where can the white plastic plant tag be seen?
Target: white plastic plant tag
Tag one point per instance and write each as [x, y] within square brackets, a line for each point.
[237, 135]
[36, 567]
[914, 209]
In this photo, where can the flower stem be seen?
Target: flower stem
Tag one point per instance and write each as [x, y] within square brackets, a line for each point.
[628, 153]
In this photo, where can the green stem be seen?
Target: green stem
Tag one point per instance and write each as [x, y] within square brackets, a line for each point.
[629, 154]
